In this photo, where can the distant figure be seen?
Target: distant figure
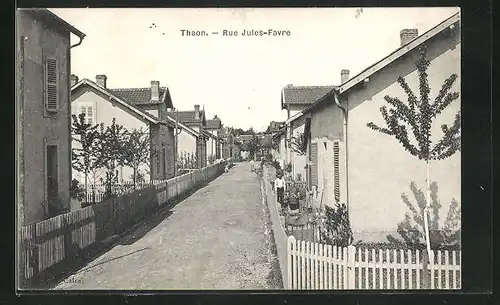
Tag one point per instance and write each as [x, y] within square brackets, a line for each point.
[280, 187]
[251, 165]
[226, 169]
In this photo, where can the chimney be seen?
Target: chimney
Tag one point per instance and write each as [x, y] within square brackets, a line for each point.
[196, 112]
[101, 80]
[155, 90]
[407, 35]
[344, 75]
[74, 80]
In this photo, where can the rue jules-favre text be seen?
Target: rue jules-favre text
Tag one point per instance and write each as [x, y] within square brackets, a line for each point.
[234, 33]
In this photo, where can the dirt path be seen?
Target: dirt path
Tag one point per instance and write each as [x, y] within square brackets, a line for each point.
[215, 239]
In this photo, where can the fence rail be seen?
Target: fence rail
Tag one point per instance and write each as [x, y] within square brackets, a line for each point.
[312, 265]
[321, 266]
[61, 239]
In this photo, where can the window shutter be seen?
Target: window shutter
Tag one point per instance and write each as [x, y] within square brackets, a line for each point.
[51, 85]
[314, 166]
[89, 115]
[336, 170]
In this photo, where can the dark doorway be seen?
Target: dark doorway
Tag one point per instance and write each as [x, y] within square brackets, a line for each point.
[52, 180]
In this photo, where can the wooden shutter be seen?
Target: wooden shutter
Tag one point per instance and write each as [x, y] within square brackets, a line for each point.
[314, 161]
[336, 170]
[90, 115]
[51, 84]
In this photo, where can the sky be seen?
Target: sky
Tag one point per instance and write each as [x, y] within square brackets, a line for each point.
[237, 78]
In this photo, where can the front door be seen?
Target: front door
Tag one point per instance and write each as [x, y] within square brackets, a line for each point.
[52, 180]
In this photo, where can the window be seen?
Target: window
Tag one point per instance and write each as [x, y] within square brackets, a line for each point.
[89, 114]
[336, 170]
[51, 85]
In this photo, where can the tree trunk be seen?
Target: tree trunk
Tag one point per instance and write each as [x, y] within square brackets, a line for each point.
[135, 177]
[426, 280]
[428, 257]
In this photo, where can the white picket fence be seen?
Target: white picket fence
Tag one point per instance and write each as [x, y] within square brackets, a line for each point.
[320, 266]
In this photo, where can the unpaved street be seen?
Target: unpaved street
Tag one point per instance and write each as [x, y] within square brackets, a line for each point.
[215, 239]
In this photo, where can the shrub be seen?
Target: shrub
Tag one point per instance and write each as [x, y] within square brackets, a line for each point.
[76, 191]
[276, 164]
[411, 229]
[288, 167]
[337, 230]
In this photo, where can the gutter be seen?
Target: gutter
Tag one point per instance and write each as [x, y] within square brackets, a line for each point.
[78, 43]
[346, 161]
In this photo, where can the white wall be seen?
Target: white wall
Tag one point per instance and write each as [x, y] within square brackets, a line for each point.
[104, 111]
[380, 169]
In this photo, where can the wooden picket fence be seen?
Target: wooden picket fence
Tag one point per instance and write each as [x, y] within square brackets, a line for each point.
[49, 245]
[321, 266]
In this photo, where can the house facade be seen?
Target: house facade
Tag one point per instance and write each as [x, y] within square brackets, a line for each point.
[44, 113]
[368, 170]
[134, 109]
[214, 145]
[196, 120]
[231, 147]
[294, 99]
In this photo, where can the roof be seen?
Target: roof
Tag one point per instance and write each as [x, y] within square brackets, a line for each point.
[209, 134]
[189, 116]
[183, 127]
[213, 124]
[142, 95]
[303, 95]
[366, 73]
[399, 52]
[47, 16]
[126, 104]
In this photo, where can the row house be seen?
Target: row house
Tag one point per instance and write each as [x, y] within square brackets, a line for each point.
[231, 147]
[43, 113]
[294, 99]
[135, 109]
[195, 120]
[367, 170]
[214, 146]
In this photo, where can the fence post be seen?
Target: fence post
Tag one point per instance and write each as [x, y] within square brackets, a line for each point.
[351, 261]
[290, 240]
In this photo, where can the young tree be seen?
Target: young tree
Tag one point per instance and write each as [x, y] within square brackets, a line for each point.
[253, 145]
[111, 151]
[412, 228]
[137, 151]
[418, 115]
[84, 158]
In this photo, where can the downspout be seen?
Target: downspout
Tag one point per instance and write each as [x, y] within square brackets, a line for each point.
[69, 111]
[345, 112]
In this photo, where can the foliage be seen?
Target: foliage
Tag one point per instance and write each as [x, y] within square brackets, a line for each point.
[111, 152]
[254, 145]
[288, 167]
[136, 150]
[276, 164]
[419, 115]
[186, 160]
[337, 230]
[76, 191]
[298, 144]
[275, 144]
[412, 229]
[84, 158]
